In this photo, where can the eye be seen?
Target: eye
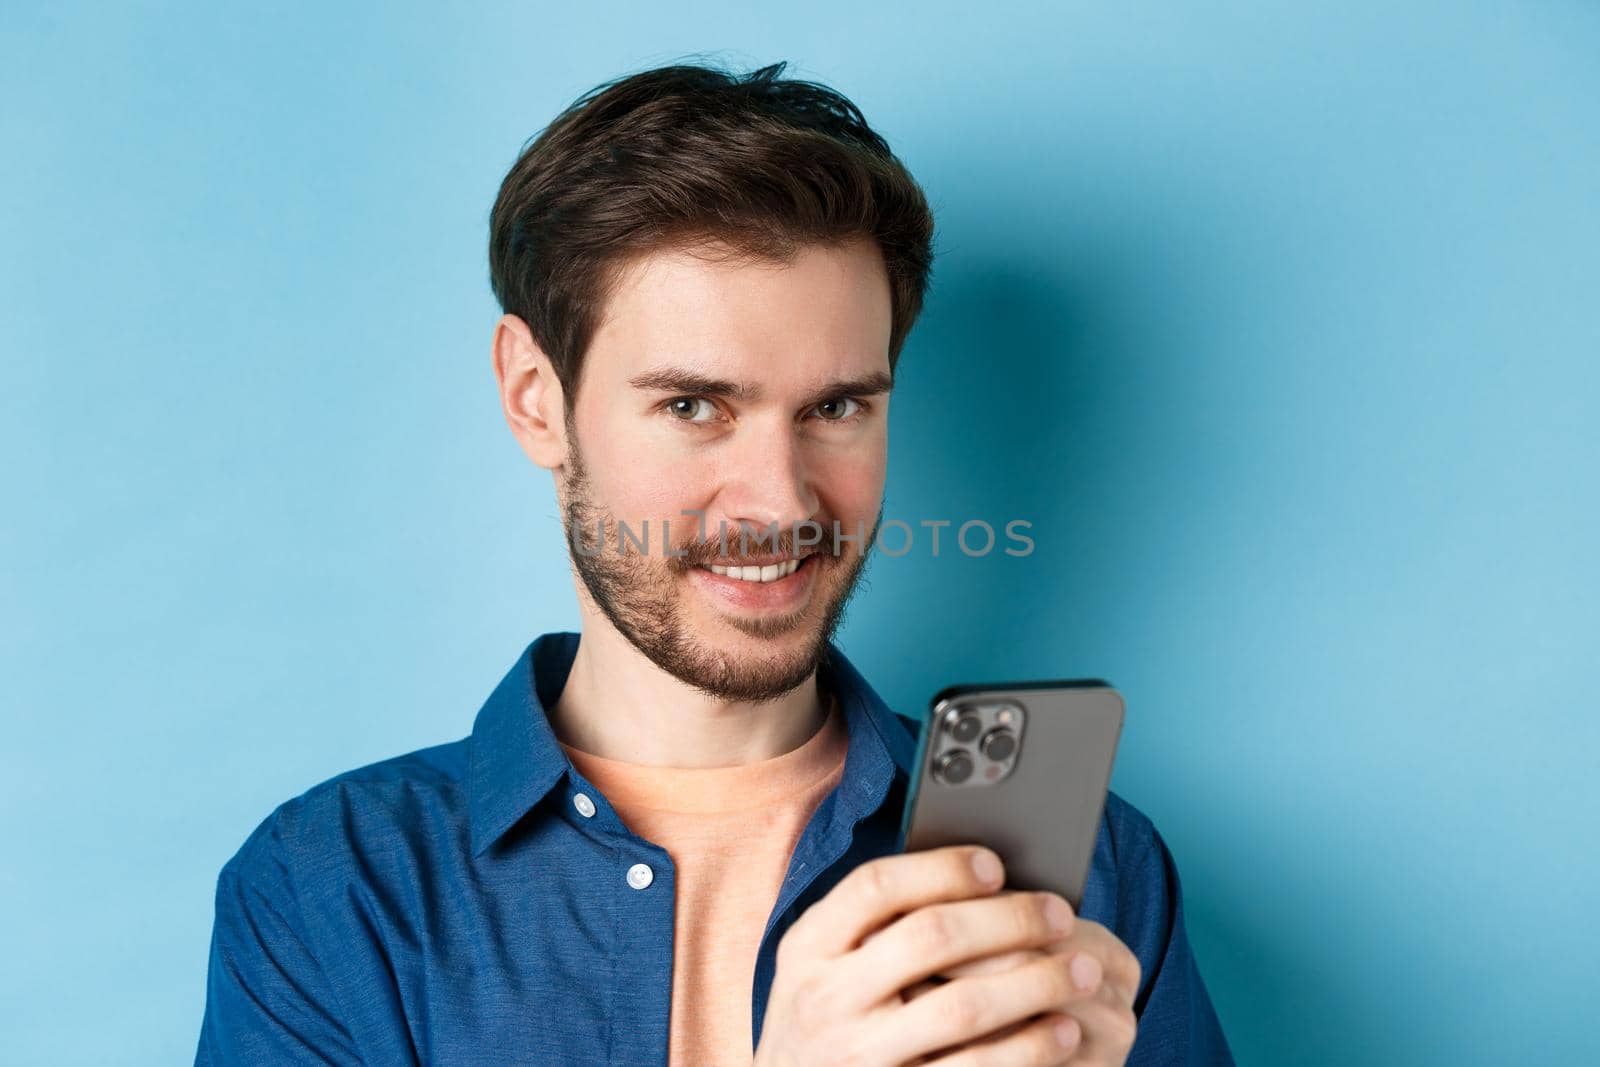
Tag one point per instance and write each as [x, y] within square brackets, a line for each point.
[686, 408]
[839, 409]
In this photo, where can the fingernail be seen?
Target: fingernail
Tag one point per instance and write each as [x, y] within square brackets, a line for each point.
[1085, 972]
[1059, 912]
[986, 865]
[1067, 1032]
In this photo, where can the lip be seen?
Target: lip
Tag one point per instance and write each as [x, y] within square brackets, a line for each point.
[785, 594]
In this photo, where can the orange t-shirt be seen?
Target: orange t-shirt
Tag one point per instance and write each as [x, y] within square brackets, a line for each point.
[731, 832]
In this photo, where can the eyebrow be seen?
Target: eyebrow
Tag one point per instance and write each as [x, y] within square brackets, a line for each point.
[688, 382]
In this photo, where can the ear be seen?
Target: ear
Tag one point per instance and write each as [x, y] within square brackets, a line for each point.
[530, 393]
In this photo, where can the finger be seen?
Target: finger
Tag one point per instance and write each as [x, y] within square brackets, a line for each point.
[966, 1009]
[911, 993]
[937, 938]
[1109, 1025]
[997, 961]
[1088, 975]
[1002, 961]
[1120, 966]
[1051, 1038]
[1005, 961]
[879, 890]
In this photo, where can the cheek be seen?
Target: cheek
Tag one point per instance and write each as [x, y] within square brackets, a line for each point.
[646, 489]
[655, 483]
[851, 484]
[636, 474]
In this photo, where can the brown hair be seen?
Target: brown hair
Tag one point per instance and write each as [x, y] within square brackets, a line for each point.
[693, 157]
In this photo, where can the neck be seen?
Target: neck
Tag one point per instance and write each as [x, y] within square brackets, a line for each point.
[619, 705]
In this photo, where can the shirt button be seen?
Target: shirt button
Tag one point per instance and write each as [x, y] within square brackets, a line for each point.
[584, 805]
[640, 875]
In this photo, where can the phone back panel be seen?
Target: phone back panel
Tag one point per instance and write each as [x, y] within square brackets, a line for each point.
[1043, 816]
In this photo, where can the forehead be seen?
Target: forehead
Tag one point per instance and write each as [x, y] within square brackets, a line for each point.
[826, 311]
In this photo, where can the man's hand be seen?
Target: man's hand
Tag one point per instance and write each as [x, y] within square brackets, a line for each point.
[1106, 1016]
[853, 979]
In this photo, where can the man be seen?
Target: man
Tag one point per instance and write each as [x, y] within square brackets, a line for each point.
[672, 840]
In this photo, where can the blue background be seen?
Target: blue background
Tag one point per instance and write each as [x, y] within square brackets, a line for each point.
[1278, 322]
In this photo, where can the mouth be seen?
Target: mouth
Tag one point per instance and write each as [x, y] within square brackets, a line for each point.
[773, 569]
[773, 584]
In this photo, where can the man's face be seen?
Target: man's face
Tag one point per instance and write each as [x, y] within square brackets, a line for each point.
[753, 394]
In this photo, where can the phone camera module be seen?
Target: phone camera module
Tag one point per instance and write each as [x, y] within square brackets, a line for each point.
[998, 744]
[954, 767]
[963, 725]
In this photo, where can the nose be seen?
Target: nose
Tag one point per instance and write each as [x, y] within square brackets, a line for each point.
[769, 482]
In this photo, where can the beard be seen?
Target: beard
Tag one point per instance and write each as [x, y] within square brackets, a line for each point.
[642, 596]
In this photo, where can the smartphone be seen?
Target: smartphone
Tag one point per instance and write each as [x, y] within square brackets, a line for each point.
[1022, 768]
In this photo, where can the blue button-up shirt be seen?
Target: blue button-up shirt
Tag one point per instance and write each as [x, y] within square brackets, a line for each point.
[455, 905]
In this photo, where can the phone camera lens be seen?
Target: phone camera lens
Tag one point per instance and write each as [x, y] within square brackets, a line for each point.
[963, 725]
[954, 767]
[998, 744]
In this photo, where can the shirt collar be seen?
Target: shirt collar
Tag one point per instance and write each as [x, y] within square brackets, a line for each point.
[514, 759]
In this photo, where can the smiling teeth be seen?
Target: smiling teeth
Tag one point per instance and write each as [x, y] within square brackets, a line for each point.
[770, 573]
